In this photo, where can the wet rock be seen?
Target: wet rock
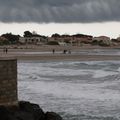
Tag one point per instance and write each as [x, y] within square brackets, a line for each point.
[26, 111]
[5, 114]
[22, 115]
[52, 116]
[34, 109]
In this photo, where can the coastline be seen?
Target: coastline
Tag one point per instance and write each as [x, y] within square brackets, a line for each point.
[45, 53]
[70, 57]
[55, 57]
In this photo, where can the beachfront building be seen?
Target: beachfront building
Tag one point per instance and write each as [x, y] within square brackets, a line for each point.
[80, 39]
[118, 39]
[60, 40]
[73, 40]
[102, 40]
[33, 40]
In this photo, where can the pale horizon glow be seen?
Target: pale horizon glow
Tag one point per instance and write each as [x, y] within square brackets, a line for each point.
[110, 29]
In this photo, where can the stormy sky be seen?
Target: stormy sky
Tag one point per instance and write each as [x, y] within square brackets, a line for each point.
[59, 11]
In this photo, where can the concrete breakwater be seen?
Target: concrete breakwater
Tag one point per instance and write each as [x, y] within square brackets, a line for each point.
[8, 81]
[10, 107]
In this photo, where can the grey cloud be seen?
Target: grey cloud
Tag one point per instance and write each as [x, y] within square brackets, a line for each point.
[60, 11]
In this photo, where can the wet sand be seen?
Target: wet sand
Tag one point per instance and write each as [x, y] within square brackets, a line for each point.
[61, 57]
[23, 54]
[70, 57]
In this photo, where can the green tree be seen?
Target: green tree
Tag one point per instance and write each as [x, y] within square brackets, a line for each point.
[27, 34]
[95, 42]
[55, 35]
[53, 43]
[12, 39]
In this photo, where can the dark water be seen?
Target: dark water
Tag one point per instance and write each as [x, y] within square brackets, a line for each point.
[76, 90]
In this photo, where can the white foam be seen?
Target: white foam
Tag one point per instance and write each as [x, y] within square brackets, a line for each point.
[47, 71]
[70, 90]
[38, 83]
[103, 73]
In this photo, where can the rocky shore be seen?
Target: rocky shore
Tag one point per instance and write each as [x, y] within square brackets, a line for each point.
[26, 111]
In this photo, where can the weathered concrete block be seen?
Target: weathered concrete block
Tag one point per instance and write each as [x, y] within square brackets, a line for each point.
[8, 81]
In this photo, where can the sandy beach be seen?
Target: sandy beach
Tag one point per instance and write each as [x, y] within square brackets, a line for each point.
[45, 53]
[66, 57]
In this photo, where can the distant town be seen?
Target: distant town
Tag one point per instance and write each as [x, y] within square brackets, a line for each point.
[32, 38]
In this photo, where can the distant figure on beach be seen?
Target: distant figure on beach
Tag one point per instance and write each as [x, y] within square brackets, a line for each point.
[64, 51]
[6, 50]
[69, 52]
[53, 51]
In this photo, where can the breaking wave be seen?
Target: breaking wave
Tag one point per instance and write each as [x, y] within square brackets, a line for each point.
[77, 90]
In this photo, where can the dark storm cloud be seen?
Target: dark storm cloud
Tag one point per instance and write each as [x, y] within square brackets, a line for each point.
[63, 11]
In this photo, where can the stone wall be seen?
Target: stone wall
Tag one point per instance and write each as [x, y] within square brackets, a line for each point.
[8, 81]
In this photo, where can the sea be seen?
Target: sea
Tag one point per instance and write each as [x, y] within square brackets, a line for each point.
[77, 90]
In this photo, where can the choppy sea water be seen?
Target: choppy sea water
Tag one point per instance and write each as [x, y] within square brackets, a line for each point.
[77, 90]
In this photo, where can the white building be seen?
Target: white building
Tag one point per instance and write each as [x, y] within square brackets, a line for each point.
[104, 39]
[118, 39]
[32, 40]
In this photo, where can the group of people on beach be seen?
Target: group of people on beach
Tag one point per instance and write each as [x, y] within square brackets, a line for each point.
[64, 51]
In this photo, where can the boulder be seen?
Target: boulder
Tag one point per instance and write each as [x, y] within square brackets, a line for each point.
[26, 111]
[33, 109]
[5, 114]
[52, 116]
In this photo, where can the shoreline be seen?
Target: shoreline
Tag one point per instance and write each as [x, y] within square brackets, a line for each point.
[45, 53]
[70, 58]
[67, 57]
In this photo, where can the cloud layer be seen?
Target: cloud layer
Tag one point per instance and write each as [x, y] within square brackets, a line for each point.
[59, 11]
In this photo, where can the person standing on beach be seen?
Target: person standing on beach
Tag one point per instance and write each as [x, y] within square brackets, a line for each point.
[69, 52]
[6, 50]
[64, 51]
[53, 51]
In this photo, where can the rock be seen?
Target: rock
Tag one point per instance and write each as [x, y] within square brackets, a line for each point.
[22, 115]
[33, 109]
[5, 114]
[26, 111]
[52, 116]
